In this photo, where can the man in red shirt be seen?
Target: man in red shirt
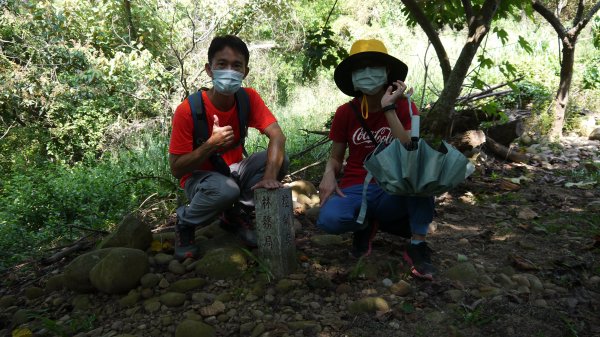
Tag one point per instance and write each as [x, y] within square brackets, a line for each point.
[211, 193]
[375, 80]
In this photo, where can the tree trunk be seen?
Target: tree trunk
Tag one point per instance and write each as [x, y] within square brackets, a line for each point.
[562, 94]
[130, 26]
[439, 119]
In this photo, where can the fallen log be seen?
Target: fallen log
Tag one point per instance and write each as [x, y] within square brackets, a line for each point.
[506, 153]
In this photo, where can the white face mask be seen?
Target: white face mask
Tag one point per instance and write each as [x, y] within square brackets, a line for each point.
[227, 81]
[369, 80]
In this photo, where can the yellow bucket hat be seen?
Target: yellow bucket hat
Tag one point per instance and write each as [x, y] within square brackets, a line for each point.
[372, 50]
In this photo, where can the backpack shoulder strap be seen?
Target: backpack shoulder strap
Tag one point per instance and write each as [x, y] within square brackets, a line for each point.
[243, 103]
[199, 118]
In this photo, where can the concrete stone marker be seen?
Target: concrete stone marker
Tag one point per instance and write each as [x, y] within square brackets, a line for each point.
[275, 231]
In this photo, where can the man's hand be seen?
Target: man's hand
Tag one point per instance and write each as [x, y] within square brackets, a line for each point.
[390, 97]
[327, 187]
[221, 137]
[269, 184]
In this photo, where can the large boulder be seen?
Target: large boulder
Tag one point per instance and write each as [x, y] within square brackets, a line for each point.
[223, 263]
[77, 273]
[595, 135]
[120, 270]
[131, 233]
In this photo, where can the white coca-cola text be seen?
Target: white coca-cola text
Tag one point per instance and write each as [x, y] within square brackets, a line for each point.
[383, 135]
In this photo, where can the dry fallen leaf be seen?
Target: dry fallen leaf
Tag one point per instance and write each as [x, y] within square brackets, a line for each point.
[508, 186]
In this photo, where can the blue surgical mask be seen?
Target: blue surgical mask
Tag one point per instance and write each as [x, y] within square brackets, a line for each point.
[227, 81]
[369, 80]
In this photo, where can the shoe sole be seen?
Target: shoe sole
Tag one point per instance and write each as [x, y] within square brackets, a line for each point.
[413, 270]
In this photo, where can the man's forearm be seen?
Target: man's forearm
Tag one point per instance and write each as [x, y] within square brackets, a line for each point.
[186, 163]
[275, 154]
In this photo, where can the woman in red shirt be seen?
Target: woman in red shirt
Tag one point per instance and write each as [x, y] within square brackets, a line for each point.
[375, 80]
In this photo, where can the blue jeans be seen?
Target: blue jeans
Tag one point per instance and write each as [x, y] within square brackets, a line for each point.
[396, 214]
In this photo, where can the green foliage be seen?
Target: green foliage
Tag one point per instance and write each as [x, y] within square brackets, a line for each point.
[321, 51]
[40, 201]
[591, 77]
[70, 91]
[451, 14]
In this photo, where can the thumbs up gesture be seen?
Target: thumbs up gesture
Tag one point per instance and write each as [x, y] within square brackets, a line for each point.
[222, 136]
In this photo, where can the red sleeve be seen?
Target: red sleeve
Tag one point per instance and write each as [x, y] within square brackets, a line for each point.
[339, 125]
[182, 130]
[260, 115]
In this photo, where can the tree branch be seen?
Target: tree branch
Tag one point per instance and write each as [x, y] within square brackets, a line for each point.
[591, 14]
[579, 13]
[433, 36]
[551, 18]
[468, 10]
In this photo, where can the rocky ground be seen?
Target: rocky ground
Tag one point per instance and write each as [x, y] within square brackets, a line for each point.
[517, 250]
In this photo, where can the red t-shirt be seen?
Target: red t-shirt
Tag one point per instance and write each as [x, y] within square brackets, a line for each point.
[182, 134]
[345, 128]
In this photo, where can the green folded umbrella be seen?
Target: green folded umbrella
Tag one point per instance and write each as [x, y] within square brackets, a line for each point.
[416, 170]
[419, 172]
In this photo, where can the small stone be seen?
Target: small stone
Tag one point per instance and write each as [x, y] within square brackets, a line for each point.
[176, 267]
[149, 280]
[164, 283]
[402, 288]
[540, 303]
[464, 242]
[369, 305]
[33, 292]
[455, 295]
[163, 259]
[461, 258]
[387, 282]
[172, 299]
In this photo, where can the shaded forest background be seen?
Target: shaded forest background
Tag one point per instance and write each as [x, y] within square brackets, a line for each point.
[87, 89]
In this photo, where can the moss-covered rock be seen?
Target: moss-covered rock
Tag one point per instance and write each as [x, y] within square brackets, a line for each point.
[131, 232]
[120, 270]
[223, 263]
[190, 328]
[77, 273]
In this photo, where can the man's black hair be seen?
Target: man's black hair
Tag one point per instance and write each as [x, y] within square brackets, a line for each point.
[220, 42]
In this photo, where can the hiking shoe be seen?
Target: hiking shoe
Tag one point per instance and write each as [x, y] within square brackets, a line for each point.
[185, 243]
[241, 225]
[418, 258]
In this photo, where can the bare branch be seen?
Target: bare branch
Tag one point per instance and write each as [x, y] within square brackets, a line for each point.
[551, 18]
[6, 133]
[433, 36]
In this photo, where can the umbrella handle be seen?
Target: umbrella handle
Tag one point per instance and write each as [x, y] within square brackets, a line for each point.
[415, 121]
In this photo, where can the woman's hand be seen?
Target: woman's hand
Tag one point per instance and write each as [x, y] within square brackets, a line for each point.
[327, 187]
[390, 97]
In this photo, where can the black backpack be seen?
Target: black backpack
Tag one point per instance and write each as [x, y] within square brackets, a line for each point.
[201, 127]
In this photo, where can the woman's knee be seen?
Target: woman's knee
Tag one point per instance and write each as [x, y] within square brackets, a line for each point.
[331, 221]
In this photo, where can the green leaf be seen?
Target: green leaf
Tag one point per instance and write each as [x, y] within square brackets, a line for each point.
[491, 108]
[525, 45]
[485, 62]
[502, 34]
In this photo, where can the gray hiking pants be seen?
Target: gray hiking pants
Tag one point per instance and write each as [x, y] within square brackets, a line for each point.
[211, 193]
